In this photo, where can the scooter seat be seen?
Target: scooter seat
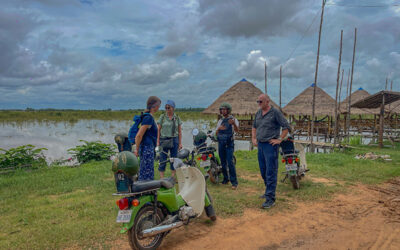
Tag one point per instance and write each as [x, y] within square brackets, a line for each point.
[142, 186]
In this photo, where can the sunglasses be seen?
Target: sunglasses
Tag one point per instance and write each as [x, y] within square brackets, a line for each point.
[167, 107]
[222, 109]
[258, 101]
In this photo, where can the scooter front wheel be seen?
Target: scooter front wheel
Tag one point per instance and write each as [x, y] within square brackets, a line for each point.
[145, 219]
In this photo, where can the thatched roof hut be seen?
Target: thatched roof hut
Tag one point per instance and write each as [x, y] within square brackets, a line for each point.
[242, 96]
[302, 104]
[357, 95]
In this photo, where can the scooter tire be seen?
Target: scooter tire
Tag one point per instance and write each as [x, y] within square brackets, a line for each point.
[295, 180]
[133, 235]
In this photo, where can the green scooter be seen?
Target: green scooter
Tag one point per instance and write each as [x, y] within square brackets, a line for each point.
[151, 209]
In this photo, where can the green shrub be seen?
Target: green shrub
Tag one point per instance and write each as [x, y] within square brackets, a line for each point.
[26, 156]
[92, 151]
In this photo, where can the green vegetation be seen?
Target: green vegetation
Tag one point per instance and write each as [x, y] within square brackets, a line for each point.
[73, 116]
[26, 156]
[58, 207]
[92, 151]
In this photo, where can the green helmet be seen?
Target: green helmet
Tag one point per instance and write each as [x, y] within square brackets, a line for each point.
[120, 138]
[200, 138]
[126, 162]
[227, 106]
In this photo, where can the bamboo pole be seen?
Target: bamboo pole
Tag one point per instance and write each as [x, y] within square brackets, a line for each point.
[337, 88]
[265, 76]
[382, 117]
[352, 71]
[316, 78]
[280, 88]
[340, 93]
[347, 96]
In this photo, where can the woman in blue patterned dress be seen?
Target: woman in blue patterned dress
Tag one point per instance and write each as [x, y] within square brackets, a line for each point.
[146, 140]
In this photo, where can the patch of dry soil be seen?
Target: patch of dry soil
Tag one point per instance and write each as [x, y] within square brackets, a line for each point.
[365, 218]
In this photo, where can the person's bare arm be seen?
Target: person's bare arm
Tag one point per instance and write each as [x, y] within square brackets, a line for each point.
[159, 134]
[139, 137]
[254, 137]
[278, 141]
[180, 136]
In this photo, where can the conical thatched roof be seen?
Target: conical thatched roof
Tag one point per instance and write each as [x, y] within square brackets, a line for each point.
[302, 104]
[357, 95]
[242, 96]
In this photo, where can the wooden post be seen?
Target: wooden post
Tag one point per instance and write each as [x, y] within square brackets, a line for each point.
[337, 89]
[347, 111]
[316, 78]
[352, 71]
[265, 67]
[382, 117]
[280, 88]
[340, 93]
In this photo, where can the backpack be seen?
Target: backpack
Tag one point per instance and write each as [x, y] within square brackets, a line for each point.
[137, 120]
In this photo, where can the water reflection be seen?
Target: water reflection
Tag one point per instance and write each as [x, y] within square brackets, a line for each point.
[57, 137]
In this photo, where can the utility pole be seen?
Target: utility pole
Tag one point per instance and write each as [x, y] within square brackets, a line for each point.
[315, 79]
[280, 88]
[337, 89]
[265, 76]
[351, 81]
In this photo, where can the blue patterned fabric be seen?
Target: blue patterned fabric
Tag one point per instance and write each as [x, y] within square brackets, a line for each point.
[146, 154]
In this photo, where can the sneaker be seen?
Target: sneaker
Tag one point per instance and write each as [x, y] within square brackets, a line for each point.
[234, 187]
[224, 182]
[262, 196]
[268, 204]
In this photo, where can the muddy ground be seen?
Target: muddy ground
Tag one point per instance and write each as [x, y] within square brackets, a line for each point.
[365, 217]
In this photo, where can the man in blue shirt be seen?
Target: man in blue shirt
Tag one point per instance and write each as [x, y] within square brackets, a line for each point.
[266, 135]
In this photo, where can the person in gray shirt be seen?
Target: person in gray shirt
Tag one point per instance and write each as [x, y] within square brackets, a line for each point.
[266, 135]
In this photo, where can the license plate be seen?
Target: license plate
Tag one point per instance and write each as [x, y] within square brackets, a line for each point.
[206, 163]
[291, 167]
[124, 216]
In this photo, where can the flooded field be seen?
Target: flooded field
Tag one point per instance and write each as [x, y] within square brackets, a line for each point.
[58, 137]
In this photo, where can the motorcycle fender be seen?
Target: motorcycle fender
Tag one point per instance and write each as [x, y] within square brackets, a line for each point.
[142, 201]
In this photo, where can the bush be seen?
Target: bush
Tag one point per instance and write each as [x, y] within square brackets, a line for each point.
[92, 151]
[26, 156]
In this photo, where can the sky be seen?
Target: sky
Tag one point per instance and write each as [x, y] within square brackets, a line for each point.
[101, 54]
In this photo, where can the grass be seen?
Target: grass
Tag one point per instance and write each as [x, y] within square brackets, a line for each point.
[61, 207]
[72, 116]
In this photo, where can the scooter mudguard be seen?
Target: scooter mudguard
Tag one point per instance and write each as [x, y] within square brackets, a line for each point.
[143, 200]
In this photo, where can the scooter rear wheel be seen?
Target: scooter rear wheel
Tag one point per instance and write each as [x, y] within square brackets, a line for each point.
[295, 180]
[144, 220]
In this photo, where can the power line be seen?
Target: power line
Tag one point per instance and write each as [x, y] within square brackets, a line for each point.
[302, 37]
[363, 6]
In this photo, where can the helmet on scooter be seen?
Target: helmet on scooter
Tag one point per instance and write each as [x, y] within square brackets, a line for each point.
[183, 154]
[227, 106]
[120, 137]
[126, 162]
[200, 138]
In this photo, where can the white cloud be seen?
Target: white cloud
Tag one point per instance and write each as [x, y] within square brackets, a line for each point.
[179, 75]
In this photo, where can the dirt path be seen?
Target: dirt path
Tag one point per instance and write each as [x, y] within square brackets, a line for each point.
[365, 218]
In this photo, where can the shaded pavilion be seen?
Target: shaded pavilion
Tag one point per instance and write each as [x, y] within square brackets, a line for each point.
[379, 100]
